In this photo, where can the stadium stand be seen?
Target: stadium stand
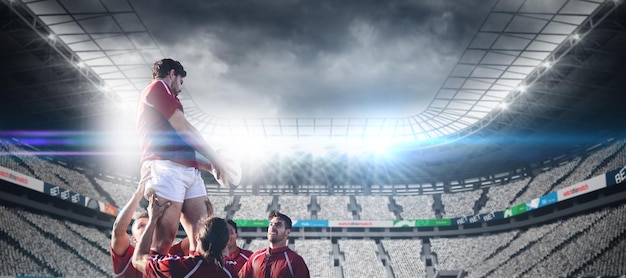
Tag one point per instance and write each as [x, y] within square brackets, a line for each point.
[405, 255]
[253, 207]
[219, 203]
[258, 244]
[120, 193]
[526, 258]
[610, 262]
[618, 160]
[587, 244]
[84, 248]
[317, 253]
[46, 246]
[501, 197]
[52, 173]
[334, 207]
[374, 208]
[518, 243]
[542, 183]
[583, 247]
[27, 266]
[588, 165]
[93, 235]
[459, 204]
[416, 207]
[360, 258]
[295, 206]
[465, 253]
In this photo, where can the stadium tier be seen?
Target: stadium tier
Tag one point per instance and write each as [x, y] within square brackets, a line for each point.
[584, 243]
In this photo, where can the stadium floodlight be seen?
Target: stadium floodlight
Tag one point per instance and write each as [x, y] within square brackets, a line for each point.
[504, 105]
[521, 88]
[52, 37]
[547, 64]
[575, 37]
[81, 64]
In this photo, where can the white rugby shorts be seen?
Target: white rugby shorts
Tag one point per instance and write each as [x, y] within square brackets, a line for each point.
[172, 181]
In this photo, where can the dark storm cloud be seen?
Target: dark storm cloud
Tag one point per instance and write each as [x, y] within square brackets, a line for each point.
[306, 58]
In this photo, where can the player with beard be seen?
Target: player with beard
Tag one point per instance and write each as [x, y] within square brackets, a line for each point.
[277, 260]
[170, 166]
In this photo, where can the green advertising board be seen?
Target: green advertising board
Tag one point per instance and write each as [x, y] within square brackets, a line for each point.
[515, 210]
[422, 223]
[253, 223]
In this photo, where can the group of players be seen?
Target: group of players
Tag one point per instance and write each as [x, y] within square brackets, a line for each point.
[173, 153]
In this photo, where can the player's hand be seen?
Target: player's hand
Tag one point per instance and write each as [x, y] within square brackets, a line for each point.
[146, 175]
[218, 170]
[156, 208]
[205, 165]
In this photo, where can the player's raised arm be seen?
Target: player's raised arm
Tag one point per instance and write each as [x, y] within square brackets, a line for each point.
[142, 252]
[119, 239]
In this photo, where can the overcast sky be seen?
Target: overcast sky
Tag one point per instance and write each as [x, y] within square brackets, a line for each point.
[313, 58]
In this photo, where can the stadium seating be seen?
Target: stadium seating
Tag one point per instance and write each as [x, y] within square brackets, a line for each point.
[465, 253]
[617, 161]
[416, 207]
[253, 207]
[523, 261]
[120, 193]
[334, 207]
[219, 203]
[543, 182]
[374, 208]
[317, 253]
[48, 247]
[589, 244]
[295, 206]
[501, 197]
[588, 165]
[583, 247]
[610, 262]
[405, 257]
[459, 204]
[500, 257]
[53, 173]
[360, 258]
[26, 266]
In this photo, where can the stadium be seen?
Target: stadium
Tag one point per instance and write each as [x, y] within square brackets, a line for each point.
[514, 166]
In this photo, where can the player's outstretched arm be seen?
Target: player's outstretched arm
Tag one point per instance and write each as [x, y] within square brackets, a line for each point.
[119, 239]
[193, 137]
[142, 252]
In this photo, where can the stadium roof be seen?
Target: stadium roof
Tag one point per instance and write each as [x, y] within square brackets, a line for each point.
[557, 66]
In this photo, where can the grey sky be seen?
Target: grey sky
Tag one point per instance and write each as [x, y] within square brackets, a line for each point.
[313, 58]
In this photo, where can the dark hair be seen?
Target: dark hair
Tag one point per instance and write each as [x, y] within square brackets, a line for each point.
[162, 68]
[141, 215]
[213, 236]
[281, 216]
[232, 223]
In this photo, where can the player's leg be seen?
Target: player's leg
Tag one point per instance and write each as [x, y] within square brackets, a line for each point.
[167, 226]
[167, 183]
[209, 207]
[194, 208]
